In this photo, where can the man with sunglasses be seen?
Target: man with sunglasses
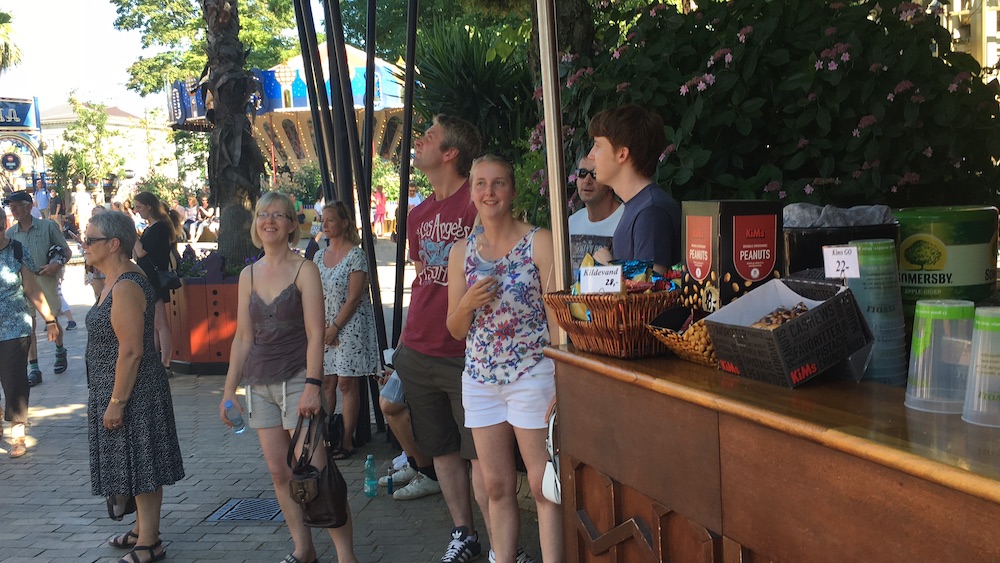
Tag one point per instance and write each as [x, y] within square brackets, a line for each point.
[592, 227]
[42, 238]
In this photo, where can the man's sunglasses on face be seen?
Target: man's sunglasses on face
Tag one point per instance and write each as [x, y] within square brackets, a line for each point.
[583, 173]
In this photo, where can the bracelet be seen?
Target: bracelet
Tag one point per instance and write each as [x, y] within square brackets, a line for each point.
[314, 381]
[117, 401]
[334, 323]
[52, 322]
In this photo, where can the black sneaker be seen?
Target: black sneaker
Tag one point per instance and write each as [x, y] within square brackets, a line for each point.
[61, 364]
[462, 547]
[34, 377]
[71, 325]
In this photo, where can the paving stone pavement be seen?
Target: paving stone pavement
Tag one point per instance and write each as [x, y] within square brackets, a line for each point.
[49, 515]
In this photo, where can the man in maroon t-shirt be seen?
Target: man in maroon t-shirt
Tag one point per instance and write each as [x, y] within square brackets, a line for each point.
[428, 359]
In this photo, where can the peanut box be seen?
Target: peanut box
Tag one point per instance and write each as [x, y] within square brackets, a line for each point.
[730, 247]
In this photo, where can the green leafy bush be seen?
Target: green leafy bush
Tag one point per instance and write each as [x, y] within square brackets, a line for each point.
[163, 187]
[839, 102]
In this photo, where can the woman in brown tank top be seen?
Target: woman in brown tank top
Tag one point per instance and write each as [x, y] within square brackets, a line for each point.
[278, 354]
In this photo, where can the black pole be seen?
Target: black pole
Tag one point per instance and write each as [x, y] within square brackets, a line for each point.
[318, 101]
[342, 161]
[369, 122]
[404, 166]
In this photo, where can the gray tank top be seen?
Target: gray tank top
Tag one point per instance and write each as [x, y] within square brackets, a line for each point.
[279, 343]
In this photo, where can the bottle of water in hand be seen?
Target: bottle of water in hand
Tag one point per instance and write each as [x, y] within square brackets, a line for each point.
[371, 481]
[233, 415]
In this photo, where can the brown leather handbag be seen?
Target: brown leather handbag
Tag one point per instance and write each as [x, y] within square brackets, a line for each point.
[321, 493]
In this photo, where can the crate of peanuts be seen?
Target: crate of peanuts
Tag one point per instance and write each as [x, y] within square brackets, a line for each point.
[787, 332]
[729, 248]
[686, 338]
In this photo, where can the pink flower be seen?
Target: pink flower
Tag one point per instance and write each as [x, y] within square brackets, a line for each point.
[803, 143]
[728, 58]
[670, 149]
[782, 194]
[836, 5]
[616, 54]
[856, 133]
[953, 88]
[538, 94]
[866, 121]
[917, 99]
[875, 67]
[808, 189]
[928, 152]
[743, 33]
[832, 66]
[709, 78]
[811, 97]
[845, 57]
[772, 186]
[890, 97]
[684, 89]
[819, 64]
[903, 86]
[621, 87]
[702, 86]
[830, 31]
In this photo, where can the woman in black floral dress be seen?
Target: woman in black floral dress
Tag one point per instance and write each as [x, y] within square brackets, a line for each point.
[133, 437]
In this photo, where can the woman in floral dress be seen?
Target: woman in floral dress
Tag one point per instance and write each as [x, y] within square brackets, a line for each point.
[351, 350]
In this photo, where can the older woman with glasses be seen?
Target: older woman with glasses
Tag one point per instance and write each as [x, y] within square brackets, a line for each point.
[130, 414]
[351, 349]
[278, 354]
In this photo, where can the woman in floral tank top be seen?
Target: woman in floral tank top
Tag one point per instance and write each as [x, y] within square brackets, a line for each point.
[495, 305]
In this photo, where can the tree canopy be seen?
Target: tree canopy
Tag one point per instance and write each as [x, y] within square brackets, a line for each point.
[10, 54]
[174, 31]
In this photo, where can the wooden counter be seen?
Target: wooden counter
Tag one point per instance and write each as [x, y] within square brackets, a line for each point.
[665, 460]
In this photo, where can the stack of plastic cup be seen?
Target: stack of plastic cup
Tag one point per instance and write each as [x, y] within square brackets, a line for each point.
[939, 356]
[877, 293]
[982, 394]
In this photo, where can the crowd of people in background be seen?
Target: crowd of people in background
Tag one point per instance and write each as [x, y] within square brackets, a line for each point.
[468, 386]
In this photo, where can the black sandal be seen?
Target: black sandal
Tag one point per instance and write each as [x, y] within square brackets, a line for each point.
[291, 558]
[124, 541]
[133, 556]
[342, 454]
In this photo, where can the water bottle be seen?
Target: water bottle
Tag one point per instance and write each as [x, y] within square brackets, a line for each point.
[388, 479]
[371, 482]
[234, 416]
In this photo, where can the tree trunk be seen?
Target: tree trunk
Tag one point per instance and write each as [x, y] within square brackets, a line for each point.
[235, 164]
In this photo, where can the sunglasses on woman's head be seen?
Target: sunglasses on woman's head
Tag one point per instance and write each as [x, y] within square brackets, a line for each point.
[583, 173]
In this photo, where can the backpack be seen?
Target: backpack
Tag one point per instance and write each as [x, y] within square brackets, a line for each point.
[18, 251]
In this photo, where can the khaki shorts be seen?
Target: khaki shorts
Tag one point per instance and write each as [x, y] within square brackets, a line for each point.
[433, 390]
[276, 404]
[50, 289]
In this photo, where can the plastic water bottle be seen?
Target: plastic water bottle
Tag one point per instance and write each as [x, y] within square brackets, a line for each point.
[371, 482]
[388, 479]
[234, 416]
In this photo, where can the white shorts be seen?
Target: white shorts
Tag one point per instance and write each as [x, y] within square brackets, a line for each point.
[523, 403]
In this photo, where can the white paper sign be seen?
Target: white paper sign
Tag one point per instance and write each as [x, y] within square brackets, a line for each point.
[841, 262]
[601, 279]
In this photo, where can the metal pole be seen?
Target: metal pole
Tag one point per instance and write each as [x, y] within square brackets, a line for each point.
[369, 122]
[549, 55]
[404, 166]
[318, 102]
[342, 160]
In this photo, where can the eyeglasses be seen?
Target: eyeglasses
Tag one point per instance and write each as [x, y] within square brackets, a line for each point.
[583, 173]
[276, 216]
[87, 241]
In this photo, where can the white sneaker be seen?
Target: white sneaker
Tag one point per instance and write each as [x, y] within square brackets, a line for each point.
[522, 557]
[400, 477]
[399, 461]
[421, 486]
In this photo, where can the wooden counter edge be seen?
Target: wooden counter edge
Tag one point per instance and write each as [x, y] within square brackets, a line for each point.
[909, 463]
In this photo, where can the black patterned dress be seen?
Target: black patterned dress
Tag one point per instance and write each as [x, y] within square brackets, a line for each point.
[144, 454]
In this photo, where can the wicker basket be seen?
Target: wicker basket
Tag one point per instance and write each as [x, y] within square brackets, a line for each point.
[617, 325]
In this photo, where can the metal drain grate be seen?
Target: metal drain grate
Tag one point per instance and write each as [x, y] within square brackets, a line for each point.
[248, 509]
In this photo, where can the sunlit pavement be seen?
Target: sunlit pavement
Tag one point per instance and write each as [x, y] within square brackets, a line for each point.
[49, 514]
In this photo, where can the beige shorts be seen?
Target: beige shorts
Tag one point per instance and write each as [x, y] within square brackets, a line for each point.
[50, 289]
[276, 404]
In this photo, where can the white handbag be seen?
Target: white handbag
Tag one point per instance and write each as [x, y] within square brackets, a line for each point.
[551, 488]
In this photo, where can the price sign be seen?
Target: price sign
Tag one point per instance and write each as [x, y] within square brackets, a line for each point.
[601, 279]
[841, 262]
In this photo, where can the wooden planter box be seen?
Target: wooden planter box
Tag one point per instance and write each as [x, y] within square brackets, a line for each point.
[202, 314]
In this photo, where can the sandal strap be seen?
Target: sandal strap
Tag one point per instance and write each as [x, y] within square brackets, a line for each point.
[133, 557]
[122, 540]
